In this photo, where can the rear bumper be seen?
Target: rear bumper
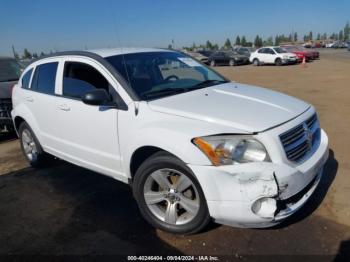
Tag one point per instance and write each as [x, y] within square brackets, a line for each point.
[233, 193]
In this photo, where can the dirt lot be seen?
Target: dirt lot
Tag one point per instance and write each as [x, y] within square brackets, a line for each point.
[68, 210]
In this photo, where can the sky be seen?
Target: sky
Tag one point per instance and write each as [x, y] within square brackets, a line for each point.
[58, 25]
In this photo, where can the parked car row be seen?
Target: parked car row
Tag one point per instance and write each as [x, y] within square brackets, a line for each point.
[278, 55]
[337, 44]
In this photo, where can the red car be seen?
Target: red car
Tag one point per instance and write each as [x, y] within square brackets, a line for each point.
[299, 52]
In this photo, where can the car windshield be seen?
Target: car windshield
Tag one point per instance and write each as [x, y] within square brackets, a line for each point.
[9, 70]
[290, 48]
[243, 51]
[154, 75]
[205, 53]
[280, 50]
[232, 53]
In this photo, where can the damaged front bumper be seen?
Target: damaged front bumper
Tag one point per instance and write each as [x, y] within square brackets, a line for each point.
[260, 194]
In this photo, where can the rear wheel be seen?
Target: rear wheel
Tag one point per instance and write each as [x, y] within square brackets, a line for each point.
[31, 147]
[169, 196]
[256, 62]
[212, 63]
[278, 62]
[232, 62]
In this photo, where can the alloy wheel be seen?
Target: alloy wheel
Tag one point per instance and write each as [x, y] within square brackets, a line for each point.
[171, 196]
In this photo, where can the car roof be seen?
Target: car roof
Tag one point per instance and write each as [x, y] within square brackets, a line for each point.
[125, 50]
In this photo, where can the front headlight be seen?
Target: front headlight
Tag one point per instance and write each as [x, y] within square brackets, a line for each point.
[228, 150]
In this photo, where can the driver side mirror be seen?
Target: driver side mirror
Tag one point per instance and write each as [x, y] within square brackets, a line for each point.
[96, 97]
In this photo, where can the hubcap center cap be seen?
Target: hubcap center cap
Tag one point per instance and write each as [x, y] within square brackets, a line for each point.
[172, 195]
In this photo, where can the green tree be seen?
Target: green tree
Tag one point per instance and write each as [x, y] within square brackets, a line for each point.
[42, 54]
[238, 40]
[268, 42]
[318, 36]
[347, 31]
[341, 35]
[244, 41]
[15, 54]
[295, 38]
[26, 54]
[215, 47]
[324, 36]
[258, 41]
[227, 44]
[310, 36]
[209, 45]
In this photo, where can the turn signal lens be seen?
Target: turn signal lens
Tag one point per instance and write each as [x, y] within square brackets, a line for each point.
[207, 150]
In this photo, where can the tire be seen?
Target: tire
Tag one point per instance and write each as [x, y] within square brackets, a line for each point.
[232, 62]
[212, 63]
[31, 147]
[278, 62]
[165, 204]
[256, 62]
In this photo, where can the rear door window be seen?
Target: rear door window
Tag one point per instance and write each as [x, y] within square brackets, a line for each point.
[45, 78]
[26, 79]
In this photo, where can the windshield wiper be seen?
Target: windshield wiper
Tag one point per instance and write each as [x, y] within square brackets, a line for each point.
[163, 92]
[207, 83]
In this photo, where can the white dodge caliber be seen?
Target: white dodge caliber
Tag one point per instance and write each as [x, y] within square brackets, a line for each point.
[192, 145]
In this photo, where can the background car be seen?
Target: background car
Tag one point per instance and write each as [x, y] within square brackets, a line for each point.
[198, 56]
[312, 52]
[299, 52]
[272, 55]
[243, 50]
[10, 72]
[238, 59]
[218, 58]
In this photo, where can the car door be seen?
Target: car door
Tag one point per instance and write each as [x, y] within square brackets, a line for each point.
[87, 135]
[261, 55]
[270, 56]
[40, 99]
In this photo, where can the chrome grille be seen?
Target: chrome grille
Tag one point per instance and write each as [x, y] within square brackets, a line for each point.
[301, 140]
[5, 108]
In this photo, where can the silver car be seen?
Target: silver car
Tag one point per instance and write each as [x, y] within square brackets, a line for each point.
[10, 72]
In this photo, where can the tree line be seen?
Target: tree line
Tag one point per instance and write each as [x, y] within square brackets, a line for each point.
[343, 35]
[27, 54]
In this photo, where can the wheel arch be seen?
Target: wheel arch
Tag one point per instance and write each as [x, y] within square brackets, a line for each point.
[142, 154]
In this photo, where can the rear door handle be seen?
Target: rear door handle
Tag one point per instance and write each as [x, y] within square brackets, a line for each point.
[64, 107]
[29, 99]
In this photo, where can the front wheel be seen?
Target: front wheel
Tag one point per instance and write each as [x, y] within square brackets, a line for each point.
[278, 62]
[256, 62]
[212, 63]
[169, 196]
[232, 62]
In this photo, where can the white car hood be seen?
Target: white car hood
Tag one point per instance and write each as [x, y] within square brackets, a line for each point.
[242, 107]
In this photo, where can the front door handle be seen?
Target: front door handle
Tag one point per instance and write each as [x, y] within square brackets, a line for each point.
[29, 99]
[64, 107]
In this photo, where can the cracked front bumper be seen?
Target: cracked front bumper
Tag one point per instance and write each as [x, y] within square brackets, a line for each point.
[233, 191]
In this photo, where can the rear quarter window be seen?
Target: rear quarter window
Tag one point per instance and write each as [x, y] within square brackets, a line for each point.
[26, 79]
[45, 78]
